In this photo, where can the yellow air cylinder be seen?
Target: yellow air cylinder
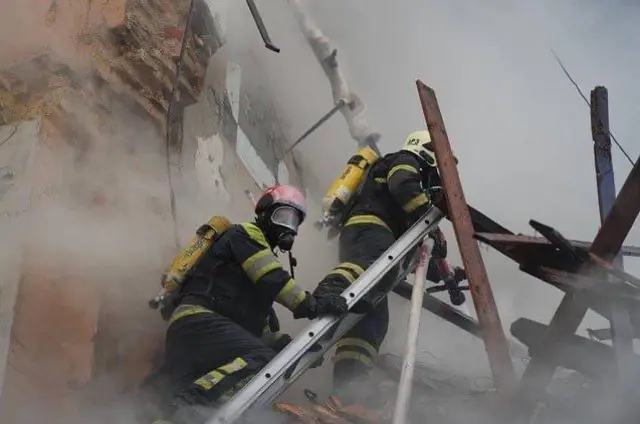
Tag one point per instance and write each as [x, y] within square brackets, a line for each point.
[205, 236]
[344, 187]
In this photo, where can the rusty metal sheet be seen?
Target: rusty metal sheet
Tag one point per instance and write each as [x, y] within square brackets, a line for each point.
[493, 335]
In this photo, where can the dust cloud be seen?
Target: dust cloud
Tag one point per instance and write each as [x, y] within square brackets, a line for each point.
[518, 126]
[100, 225]
[111, 210]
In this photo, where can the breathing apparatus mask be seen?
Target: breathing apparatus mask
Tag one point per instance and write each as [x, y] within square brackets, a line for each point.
[284, 222]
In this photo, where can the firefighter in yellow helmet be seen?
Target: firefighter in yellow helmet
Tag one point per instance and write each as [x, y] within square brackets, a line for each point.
[395, 193]
[215, 340]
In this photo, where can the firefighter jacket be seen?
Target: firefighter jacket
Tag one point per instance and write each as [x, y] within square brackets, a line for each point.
[394, 194]
[240, 277]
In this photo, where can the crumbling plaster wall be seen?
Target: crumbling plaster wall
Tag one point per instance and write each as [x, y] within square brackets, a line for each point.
[74, 338]
[50, 347]
[77, 276]
[218, 159]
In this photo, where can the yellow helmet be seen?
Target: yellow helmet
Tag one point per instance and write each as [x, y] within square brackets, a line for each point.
[419, 143]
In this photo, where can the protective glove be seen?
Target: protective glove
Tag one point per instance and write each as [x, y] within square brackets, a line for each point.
[281, 342]
[314, 305]
[332, 285]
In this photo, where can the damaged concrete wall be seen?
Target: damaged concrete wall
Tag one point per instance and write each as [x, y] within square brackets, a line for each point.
[96, 83]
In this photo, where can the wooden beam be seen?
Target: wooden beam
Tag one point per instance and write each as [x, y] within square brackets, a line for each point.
[493, 335]
[573, 307]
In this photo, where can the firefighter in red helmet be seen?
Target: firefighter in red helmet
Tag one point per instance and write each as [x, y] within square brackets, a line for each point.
[215, 340]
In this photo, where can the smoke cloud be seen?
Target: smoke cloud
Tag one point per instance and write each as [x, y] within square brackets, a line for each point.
[520, 130]
[518, 126]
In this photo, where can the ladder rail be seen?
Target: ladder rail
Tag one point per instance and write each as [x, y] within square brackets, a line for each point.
[328, 341]
[278, 374]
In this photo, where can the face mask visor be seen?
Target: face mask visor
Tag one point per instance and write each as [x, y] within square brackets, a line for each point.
[286, 217]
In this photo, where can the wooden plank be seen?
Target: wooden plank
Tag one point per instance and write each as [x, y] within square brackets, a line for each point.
[458, 211]
[573, 307]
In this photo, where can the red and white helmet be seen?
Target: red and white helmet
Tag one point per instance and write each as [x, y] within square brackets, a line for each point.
[286, 204]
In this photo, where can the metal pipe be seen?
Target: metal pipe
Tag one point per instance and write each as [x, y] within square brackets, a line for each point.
[325, 51]
[413, 331]
[314, 127]
[262, 29]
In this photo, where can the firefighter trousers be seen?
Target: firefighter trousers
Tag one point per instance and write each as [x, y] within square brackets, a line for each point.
[208, 358]
[360, 246]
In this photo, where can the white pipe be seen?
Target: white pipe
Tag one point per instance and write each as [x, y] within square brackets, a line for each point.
[359, 127]
[413, 331]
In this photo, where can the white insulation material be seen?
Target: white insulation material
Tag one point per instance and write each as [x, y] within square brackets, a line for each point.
[325, 52]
